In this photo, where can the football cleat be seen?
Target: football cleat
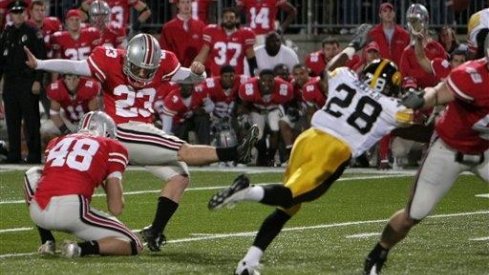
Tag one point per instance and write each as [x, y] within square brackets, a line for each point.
[373, 266]
[233, 193]
[47, 249]
[153, 241]
[70, 250]
[248, 143]
[244, 268]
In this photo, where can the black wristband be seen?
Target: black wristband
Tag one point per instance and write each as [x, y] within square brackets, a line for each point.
[64, 130]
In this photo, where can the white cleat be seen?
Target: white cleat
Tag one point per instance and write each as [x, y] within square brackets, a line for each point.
[47, 249]
[245, 268]
[70, 250]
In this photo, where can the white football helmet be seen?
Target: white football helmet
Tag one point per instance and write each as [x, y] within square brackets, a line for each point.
[418, 18]
[97, 123]
[142, 59]
[99, 13]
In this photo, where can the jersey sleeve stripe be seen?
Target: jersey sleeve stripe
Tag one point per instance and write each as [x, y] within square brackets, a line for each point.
[172, 72]
[118, 155]
[118, 161]
[98, 72]
[458, 92]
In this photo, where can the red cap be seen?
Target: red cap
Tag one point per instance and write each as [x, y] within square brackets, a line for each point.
[372, 46]
[73, 13]
[386, 5]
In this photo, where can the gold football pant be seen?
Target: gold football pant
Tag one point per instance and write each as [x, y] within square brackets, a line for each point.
[316, 161]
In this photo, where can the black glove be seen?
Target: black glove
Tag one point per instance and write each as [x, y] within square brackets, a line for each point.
[361, 37]
[413, 99]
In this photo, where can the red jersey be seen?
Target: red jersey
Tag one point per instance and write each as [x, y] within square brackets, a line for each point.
[281, 93]
[76, 49]
[200, 10]
[77, 164]
[74, 106]
[161, 92]
[261, 15]
[227, 49]
[112, 36]
[119, 12]
[123, 102]
[50, 25]
[464, 126]
[182, 38]
[316, 62]
[409, 65]
[391, 50]
[224, 100]
[312, 94]
[179, 108]
[441, 68]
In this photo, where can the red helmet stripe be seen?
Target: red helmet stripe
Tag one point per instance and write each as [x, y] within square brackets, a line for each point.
[86, 120]
[149, 49]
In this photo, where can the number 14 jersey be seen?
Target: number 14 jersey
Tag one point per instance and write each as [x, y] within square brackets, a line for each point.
[356, 114]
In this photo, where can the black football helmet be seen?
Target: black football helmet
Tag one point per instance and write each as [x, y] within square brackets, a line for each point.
[382, 75]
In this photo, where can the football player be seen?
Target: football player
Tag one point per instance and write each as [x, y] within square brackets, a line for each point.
[110, 35]
[228, 44]
[460, 144]
[120, 11]
[76, 165]
[129, 80]
[354, 118]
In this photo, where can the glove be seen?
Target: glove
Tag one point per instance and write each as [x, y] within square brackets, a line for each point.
[361, 37]
[413, 99]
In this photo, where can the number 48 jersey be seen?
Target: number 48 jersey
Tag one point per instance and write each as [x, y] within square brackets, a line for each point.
[356, 114]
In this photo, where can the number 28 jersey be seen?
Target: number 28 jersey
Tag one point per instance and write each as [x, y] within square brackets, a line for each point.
[77, 164]
[356, 114]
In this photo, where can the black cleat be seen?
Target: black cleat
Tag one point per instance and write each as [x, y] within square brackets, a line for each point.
[231, 194]
[373, 266]
[153, 241]
[249, 141]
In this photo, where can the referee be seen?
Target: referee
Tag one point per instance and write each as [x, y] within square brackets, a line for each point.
[21, 85]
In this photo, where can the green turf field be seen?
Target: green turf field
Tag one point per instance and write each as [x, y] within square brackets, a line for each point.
[329, 236]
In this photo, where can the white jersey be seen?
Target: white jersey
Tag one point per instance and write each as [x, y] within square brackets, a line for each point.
[356, 114]
[285, 56]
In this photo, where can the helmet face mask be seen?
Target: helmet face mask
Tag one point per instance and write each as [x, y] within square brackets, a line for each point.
[142, 59]
[382, 76]
[97, 123]
[99, 13]
[417, 18]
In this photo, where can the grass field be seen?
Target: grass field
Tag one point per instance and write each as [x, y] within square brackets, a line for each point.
[329, 236]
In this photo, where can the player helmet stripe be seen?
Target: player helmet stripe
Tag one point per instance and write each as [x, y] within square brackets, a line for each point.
[97, 123]
[382, 75]
[142, 59]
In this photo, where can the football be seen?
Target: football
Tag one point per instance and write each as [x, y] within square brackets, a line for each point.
[460, 5]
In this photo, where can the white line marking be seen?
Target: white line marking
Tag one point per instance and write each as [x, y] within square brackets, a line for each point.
[363, 235]
[220, 187]
[15, 229]
[480, 239]
[299, 228]
[483, 195]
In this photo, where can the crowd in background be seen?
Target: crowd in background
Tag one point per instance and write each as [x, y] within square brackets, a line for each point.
[253, 77]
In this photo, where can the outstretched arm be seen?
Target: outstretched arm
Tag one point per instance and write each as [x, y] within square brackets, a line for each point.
[78, 67]
[194, 74]
[359, 40]
[423, 61]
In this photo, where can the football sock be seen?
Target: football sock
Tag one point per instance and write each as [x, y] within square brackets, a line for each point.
[277, 195]
[45, 235]
[89, 248]
[270, 228]
[227, 154]
[378, 252]
[254, 193]
[253, 255]
[164, 211]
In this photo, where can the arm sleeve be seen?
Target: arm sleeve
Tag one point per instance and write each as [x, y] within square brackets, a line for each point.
[184, 75]
[167, 122]
[65, 66]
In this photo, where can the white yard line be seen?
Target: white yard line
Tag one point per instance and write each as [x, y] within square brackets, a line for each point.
[483, 196]
[480, 239]
[205, 236]
[221, 186]
[15, 229]
[363, 235]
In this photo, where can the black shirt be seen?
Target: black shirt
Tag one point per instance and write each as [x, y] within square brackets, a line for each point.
[12, 55]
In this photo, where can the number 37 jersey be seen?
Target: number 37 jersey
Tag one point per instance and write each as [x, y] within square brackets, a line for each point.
[356, 114]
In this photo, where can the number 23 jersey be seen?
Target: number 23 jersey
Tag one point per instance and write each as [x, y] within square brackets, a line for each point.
[356, 114]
